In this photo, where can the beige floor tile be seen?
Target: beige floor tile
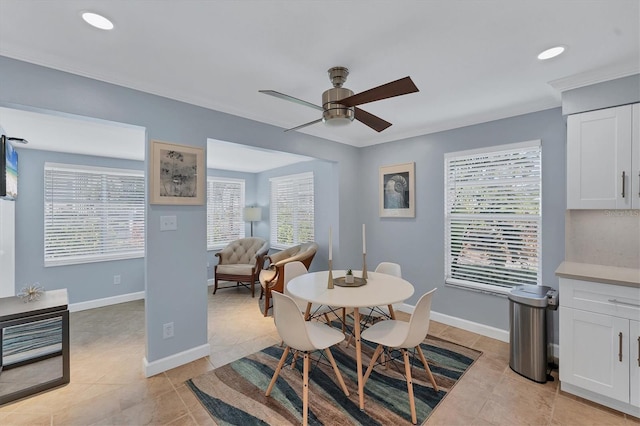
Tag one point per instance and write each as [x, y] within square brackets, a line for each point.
[516, 402]
[568, 411]
[178, 375]
[108, 387]
[457, 335]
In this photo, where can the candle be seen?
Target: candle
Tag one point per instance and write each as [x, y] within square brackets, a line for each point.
[330, 244]
[364, 241]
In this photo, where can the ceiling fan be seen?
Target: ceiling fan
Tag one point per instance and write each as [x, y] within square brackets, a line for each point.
[340, 105]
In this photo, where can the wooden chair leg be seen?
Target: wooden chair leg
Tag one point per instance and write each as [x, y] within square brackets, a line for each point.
[335, 369]
[215, 285]
[326, 318]
[305, 390]
[427, 369]
[374, 358]
[267, 300]
[407, 370]
[277, 372]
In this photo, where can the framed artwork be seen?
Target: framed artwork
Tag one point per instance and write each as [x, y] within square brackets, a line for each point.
[397, 190]
[177, 174]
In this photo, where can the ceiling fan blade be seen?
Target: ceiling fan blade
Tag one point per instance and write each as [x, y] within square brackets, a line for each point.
[305, 125]
[290, 98]
[375, 122]
[395, 88]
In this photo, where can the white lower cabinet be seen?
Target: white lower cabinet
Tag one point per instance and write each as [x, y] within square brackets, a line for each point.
[600, 343]
[634, 375]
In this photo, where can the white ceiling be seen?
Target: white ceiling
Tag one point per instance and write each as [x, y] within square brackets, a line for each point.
[473, 61]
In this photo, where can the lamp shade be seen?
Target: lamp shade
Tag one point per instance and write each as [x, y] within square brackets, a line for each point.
[252, 214]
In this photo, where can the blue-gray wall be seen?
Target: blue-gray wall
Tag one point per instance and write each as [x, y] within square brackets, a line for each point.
[175, 262]
[325, 180]
[85, 282]
[175, 265]
[418, 243]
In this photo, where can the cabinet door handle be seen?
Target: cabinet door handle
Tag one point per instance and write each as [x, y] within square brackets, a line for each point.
[638, 184]
[623, 303]
[620, 346]
[623, 179]
[638, 351]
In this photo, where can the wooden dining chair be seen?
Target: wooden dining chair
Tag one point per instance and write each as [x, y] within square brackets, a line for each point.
[403, 335]
[305, 337]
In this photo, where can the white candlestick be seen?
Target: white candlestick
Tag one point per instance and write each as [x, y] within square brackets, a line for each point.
[330, 244]
[364, 241]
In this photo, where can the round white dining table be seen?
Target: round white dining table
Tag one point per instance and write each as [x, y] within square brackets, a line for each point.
[380, 289]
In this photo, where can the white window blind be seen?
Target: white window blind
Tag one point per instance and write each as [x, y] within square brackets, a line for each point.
[92, 214]
[493, 216]
[225, 201]
[292, 210]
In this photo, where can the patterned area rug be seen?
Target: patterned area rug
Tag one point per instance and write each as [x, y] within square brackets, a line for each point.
[235, 393]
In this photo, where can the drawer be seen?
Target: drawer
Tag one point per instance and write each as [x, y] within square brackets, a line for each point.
[615, 300]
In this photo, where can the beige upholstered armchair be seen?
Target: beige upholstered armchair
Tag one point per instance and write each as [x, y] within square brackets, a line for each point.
[272, 279]
[241, 261]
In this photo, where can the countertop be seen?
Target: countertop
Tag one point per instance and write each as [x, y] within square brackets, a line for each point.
[599, 273]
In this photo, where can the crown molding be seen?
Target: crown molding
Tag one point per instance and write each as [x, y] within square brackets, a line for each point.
[599, 75]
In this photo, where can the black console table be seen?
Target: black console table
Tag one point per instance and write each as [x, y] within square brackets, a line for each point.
[34, 344]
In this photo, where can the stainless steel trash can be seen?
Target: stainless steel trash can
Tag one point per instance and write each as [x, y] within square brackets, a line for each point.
[528, 306]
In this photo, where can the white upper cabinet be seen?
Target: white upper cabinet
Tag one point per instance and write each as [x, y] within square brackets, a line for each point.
[603, 159]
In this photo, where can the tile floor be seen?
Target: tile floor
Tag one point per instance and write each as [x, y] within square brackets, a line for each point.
[108, 388]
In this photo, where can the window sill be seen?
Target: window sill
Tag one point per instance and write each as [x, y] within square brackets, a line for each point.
[480, 288]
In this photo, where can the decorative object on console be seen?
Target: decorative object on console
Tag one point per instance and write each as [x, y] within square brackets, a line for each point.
[31, 292]
[252, 214]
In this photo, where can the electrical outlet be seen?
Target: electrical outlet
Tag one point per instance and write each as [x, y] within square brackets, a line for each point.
[167, 330]
[116, 279]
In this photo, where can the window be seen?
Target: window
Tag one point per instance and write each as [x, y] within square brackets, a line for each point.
[92, 214]
[292, 210]
[493, 217]
[225, 201]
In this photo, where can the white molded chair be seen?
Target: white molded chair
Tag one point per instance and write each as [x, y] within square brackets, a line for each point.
[389, 268]
[306, 337]
[295, 269]
[378, 312]
[403, 335]
[371, 314]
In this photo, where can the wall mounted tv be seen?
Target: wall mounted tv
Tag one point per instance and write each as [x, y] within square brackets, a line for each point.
[8, 170]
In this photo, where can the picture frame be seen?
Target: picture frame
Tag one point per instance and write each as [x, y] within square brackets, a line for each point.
[397, 190]
[177, 174]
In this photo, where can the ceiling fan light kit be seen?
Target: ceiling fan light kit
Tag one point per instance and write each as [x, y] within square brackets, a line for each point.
[339, 104]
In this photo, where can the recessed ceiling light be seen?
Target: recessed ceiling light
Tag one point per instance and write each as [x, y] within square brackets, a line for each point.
[551, 53]
[97, 21]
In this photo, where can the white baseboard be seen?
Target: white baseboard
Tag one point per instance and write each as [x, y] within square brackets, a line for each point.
[474, 327]
[175, 360]
[99, 303]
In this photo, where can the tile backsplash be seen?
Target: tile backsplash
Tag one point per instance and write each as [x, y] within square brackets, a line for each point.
[603, 237]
